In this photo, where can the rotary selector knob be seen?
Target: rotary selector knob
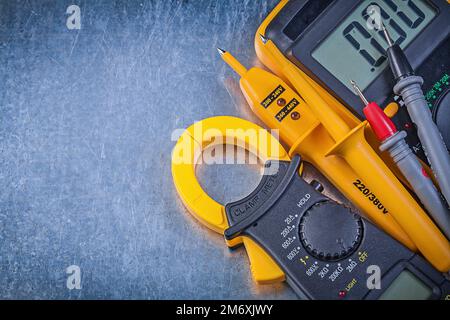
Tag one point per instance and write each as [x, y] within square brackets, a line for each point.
[330, 231]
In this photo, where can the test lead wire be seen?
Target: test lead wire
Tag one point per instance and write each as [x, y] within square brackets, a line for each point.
[409, 87]
[394, 142]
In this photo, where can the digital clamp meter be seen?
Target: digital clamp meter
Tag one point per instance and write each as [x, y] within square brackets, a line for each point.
[292, 232]
[323, 247]
[333, 43]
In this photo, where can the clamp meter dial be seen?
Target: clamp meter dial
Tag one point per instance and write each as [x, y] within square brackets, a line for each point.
[333, 41]
[328, 232]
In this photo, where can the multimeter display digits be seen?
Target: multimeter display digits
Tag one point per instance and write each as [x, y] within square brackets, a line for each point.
[359, 49]
[335, 41]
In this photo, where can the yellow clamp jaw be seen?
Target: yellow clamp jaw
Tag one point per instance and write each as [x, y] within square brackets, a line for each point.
[186, 154]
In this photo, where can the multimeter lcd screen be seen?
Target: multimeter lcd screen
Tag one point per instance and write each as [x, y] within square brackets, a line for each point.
[355, 50]
[407, 287]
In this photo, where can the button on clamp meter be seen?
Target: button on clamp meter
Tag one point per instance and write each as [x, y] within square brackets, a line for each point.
[292, 232]
[333, 41]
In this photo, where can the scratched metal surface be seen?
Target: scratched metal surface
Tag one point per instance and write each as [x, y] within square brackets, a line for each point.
[86, 119]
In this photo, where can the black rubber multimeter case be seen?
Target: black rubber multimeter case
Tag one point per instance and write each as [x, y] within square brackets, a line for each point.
[302, 27]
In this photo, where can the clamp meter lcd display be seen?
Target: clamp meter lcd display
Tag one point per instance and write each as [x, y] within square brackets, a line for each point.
[334, 41]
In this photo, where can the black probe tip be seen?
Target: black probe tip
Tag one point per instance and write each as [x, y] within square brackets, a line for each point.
[221, 51]
[359, 92]
[386, 35]
[398, 62]
[263, 39]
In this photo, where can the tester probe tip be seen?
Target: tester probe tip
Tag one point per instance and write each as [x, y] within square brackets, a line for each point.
[232, 62]
[386, 35]
[359, 92]
[263, 39]
[221, 51]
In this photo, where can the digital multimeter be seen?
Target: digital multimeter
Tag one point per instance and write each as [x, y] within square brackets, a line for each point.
[325, 250]
[333, 42]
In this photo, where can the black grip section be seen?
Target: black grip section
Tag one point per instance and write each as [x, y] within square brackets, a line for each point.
[292, 21]
[399, 63]
[244, 213]
[274, 171]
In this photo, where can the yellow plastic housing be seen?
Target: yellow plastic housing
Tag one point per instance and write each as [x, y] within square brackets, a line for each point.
[209, 212]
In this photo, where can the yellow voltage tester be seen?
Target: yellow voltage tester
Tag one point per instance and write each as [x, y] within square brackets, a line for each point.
[291, 231]
[340, 151]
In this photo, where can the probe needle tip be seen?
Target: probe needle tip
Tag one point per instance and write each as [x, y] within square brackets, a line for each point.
[359, 92]
[263, 39]
[386, 34]
[221, 51]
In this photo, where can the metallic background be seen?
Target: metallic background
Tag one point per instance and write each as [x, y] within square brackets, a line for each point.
[86, 122]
